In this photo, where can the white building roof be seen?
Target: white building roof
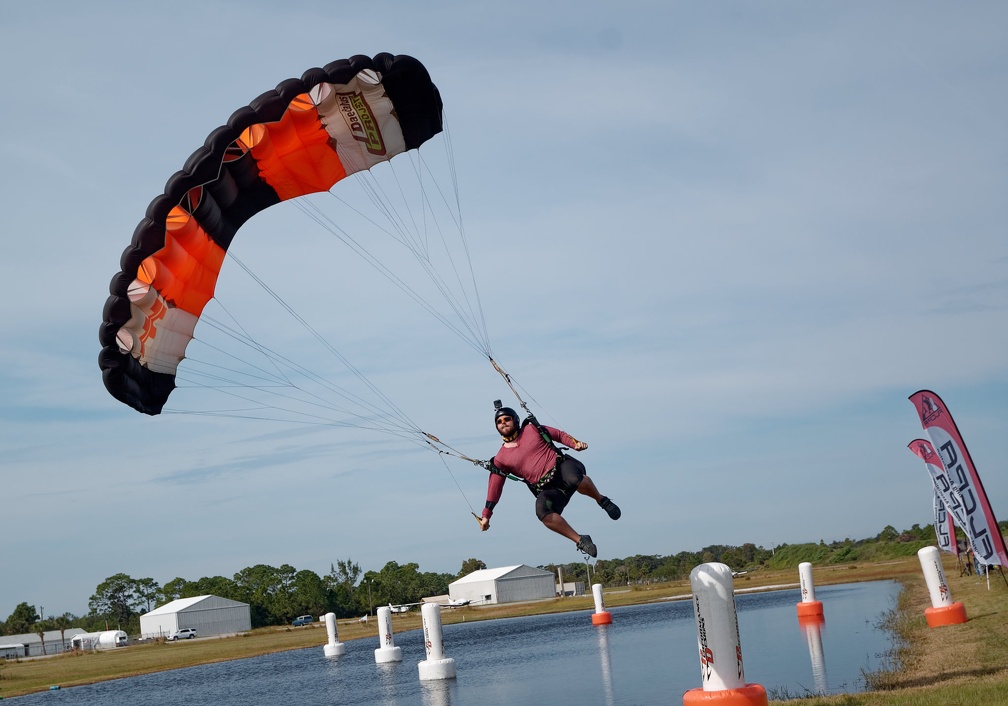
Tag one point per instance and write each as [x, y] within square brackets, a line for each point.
[182, 604]
[34, 639]
[499, 573]
[486, 574]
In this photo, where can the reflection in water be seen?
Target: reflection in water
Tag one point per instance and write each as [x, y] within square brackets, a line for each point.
[813, 634]
[387, 682]
[606, 661]
[437, 692]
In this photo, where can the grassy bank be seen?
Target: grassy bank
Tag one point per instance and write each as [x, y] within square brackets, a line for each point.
[955, 665]
[952, 665]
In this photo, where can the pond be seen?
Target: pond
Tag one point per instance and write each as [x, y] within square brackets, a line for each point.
[647, 655]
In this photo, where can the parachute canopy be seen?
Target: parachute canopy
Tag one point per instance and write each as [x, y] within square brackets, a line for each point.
[300, 138]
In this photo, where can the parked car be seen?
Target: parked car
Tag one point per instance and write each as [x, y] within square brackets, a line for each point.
[303, 620]
[183, 634]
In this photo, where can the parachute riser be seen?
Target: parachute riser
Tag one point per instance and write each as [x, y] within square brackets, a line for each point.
[531, 417]
[507, 379]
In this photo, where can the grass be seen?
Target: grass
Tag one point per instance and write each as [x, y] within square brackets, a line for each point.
[957, 664]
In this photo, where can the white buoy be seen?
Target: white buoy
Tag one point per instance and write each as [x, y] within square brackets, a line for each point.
[334, 648]
[387, 650]
[808, 606]
[601, 616]
[943, 610]
[721, 671]
[436, 666]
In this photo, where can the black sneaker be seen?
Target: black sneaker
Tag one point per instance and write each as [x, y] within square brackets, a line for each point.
[584, 544]
[610, 507]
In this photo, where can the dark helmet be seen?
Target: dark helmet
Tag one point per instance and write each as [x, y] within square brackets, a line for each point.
[505, 412]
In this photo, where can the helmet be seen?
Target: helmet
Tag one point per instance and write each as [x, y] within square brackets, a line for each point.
[505, 412]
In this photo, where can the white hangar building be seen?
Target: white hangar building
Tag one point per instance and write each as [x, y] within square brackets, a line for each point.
[504, 585]
[209, 615]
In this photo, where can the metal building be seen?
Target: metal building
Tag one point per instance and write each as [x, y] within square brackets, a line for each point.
[504, 585]
[209, 615]
[31, 645]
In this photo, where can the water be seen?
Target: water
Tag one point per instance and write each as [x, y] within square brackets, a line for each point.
[648, 655]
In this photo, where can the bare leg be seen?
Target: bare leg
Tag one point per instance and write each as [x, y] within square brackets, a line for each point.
[559, 525]
[588, 488]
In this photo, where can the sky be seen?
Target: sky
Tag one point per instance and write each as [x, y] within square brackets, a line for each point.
[722, 243]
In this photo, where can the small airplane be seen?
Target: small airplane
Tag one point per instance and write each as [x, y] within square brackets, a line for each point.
[404, 608]
[456, 604]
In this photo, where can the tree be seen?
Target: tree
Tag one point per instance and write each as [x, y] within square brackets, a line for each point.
[469, 566]
[173, 589]
[310, 593]
[62, 623]
[268, 591]
[39, 629]
[148, 591]
[888, 534]
[212, 585]
[344, 572]
[22, 619]
[115, 598]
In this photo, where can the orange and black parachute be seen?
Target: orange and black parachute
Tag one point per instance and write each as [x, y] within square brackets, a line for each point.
[300, 138]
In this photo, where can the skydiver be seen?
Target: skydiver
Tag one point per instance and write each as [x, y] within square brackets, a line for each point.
[552, 476]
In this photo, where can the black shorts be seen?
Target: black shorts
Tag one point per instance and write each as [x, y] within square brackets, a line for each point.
[561, 487]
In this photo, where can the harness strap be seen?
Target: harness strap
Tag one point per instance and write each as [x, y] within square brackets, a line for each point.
[544, 481]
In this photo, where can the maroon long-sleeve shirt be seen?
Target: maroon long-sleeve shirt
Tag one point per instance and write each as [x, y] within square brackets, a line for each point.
[530, 460]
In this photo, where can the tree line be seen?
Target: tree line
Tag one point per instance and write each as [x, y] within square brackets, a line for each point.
[276, 595]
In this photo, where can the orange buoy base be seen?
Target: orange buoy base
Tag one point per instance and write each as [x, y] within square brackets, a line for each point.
[808, 609]
[603, 618]
[946, 615]
[806, 621]
[748, 695]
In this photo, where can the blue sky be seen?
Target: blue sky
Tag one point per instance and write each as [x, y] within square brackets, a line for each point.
[720, 242]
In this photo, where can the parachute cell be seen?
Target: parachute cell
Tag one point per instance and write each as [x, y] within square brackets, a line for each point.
[301, 138]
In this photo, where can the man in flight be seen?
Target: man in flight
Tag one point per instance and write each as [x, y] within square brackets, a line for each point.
[529, 453]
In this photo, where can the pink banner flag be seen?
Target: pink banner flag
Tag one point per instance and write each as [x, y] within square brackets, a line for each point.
[944, 487]
[980, 524]
[947, 501]
[944, 527]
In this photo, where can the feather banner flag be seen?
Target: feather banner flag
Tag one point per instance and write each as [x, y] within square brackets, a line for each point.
[944, 527]
[980, 524]
[948, 500]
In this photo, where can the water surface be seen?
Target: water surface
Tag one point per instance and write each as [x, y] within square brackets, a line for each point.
[648, 655]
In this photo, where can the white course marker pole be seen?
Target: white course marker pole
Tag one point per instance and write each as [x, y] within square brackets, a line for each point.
[601, 616]
[436, 666]
[809, 607]
[334, 648]
[942, 611]
[721, 669]
[387, 650]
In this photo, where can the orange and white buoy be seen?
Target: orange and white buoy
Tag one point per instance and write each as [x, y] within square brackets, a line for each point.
[809, 607]
[601, 616]
[943, 610]
[721, 671]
